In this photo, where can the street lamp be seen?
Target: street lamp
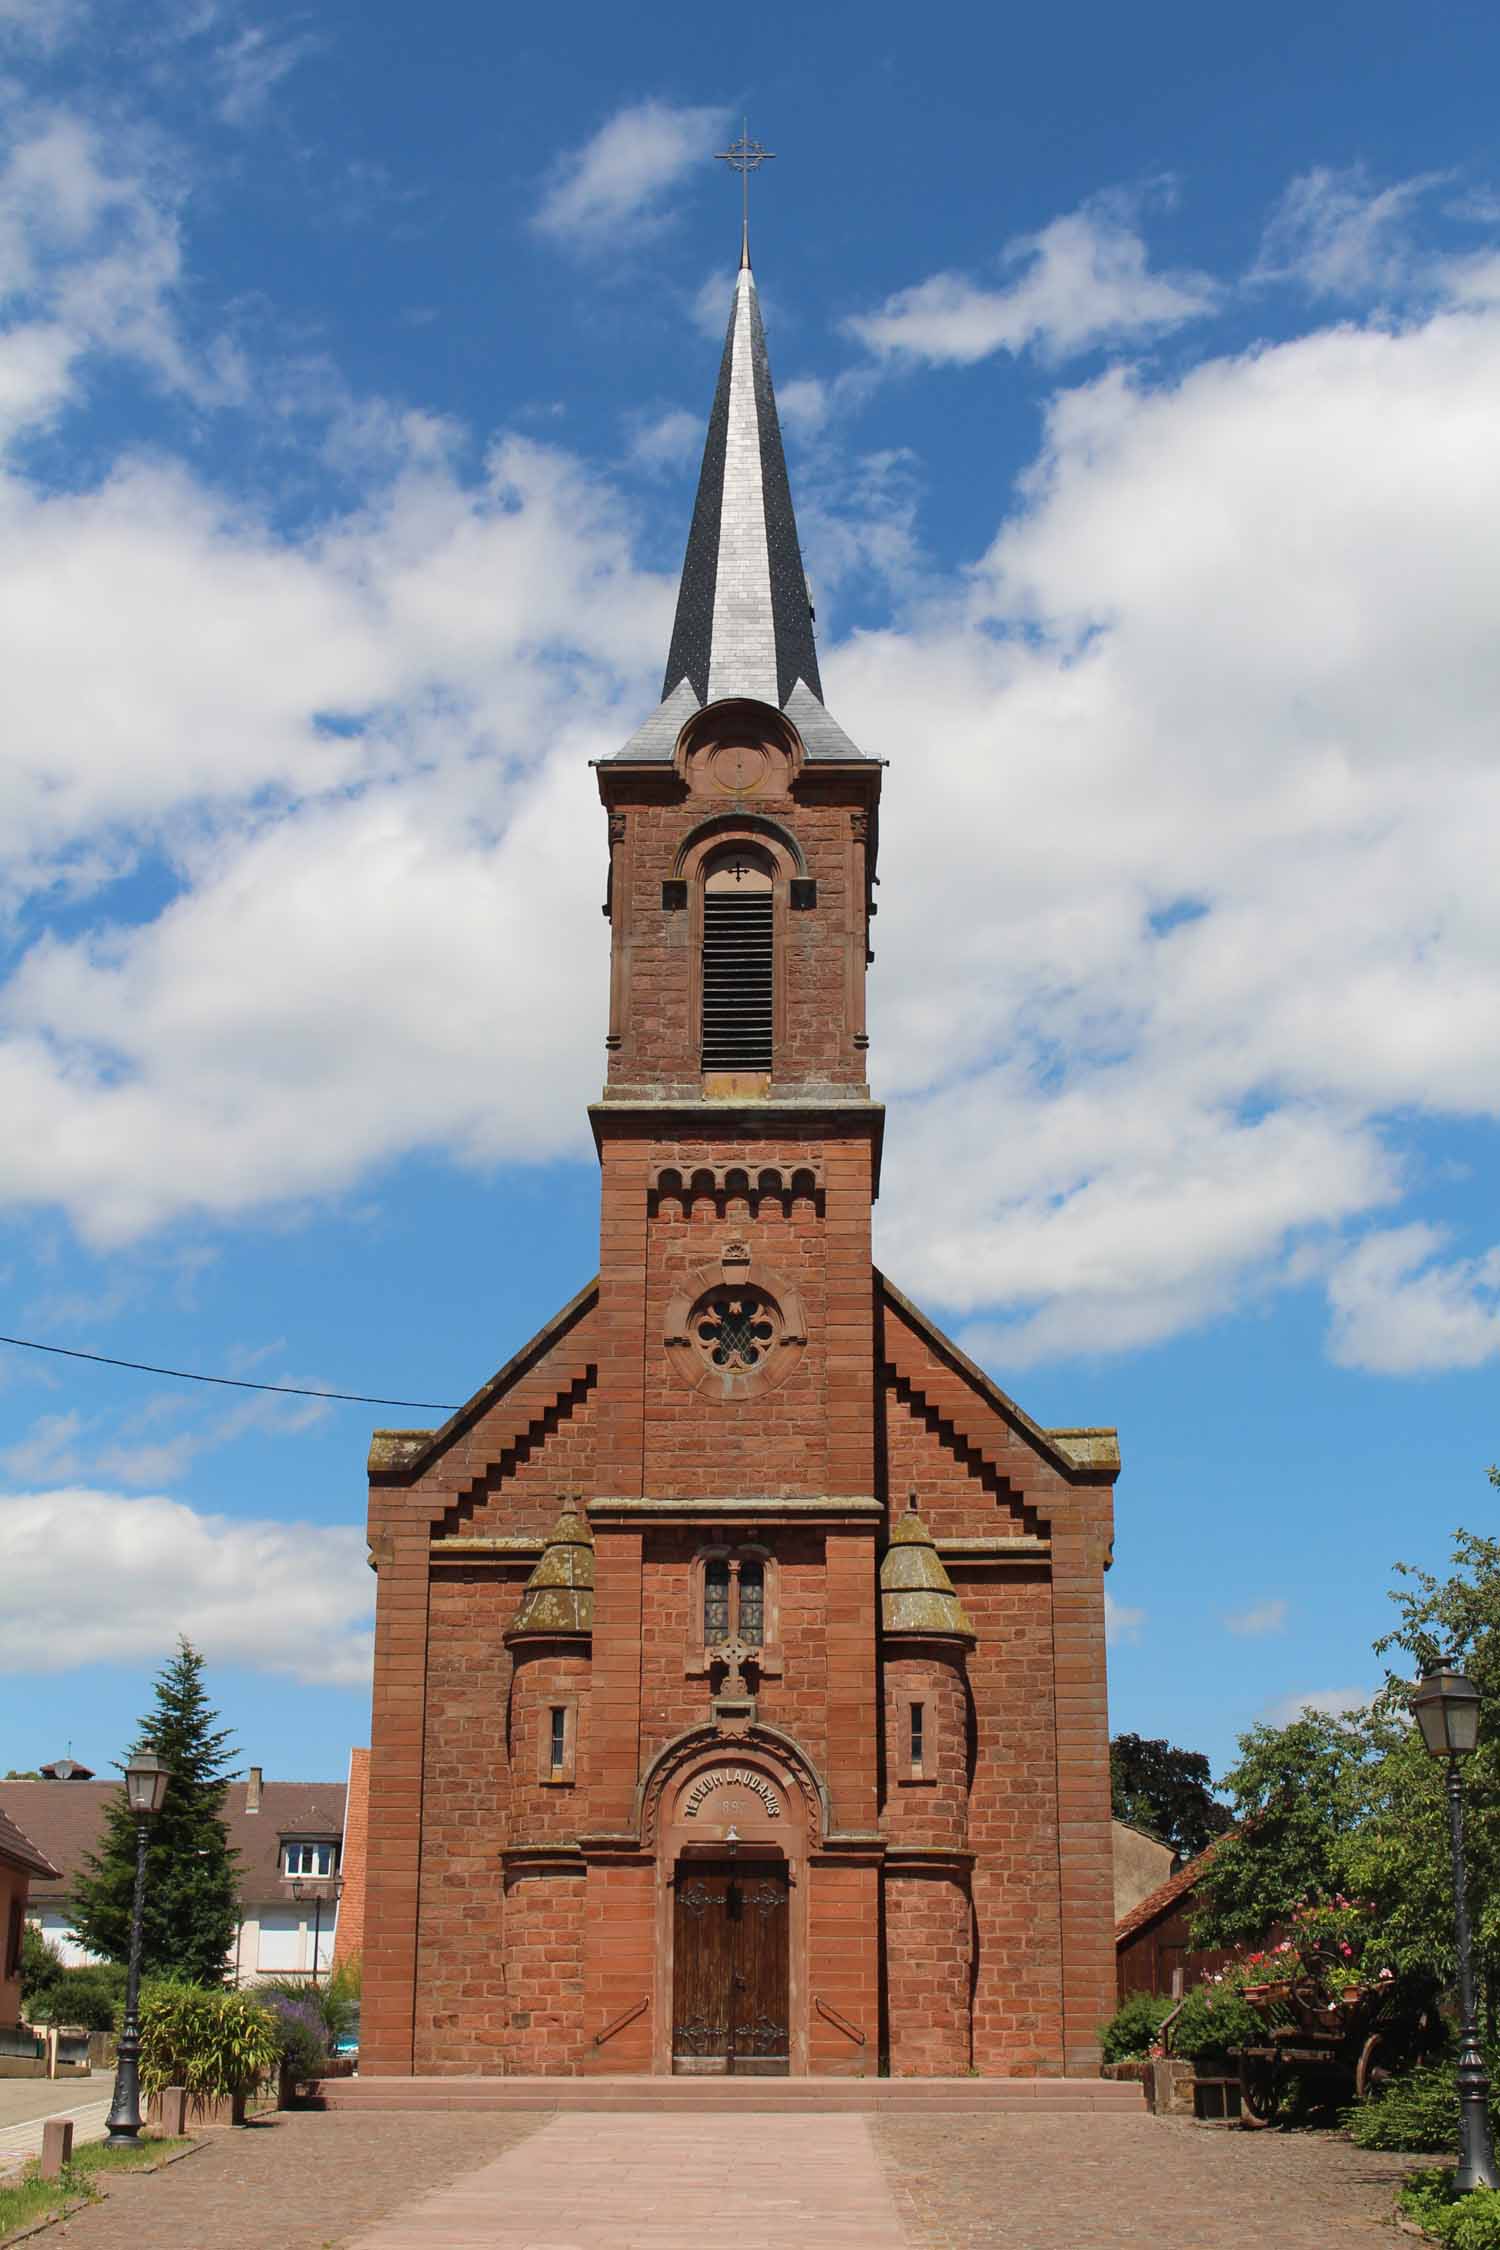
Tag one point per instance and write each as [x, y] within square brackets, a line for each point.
[146, 1781]
[1447, 1709]
[324, 1887]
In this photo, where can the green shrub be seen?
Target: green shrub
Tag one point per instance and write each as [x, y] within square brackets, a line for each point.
[41, 1967]
[1132, 2029]
[1417, 2110]
[93, 1995]
[214, 2043]
[1462, 2222]
[1213, 2024]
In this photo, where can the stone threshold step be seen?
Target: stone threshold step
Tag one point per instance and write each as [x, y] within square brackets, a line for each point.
[705, 2096]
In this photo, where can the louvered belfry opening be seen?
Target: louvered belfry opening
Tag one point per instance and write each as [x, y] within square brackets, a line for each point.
[738, 966]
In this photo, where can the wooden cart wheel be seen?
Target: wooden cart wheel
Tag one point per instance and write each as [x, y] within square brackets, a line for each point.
[1260, 2091]
[1374, 2066]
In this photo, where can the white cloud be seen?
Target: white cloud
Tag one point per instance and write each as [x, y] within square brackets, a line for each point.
[709, 307]
[1122, 1624]
[1187, 908]
[1202, 769]
[1259, 1619]
[1330, 1702]
[252, 65]
[39, 23]
[90, 1577]
[602, 195]
[1080, 281]
[1337, 235]
[671, 441]
[1399, 1309]
[90, 259]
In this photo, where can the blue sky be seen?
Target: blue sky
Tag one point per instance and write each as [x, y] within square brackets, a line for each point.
[1138, 375]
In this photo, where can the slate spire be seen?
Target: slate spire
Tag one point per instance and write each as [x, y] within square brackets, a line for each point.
[744, 620]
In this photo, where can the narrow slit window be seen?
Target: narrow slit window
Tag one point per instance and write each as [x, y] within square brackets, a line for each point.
[716, 1601]
[918, 1732]
[738, 973]
[753, 1602]
[559, 1750]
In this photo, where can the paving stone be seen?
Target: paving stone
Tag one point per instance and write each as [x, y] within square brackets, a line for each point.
[1131, 2183]
[299, 2181]
[495, 2180]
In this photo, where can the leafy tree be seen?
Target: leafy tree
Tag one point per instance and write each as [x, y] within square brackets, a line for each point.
[1355, 1804]
[41, 1972]
[1299, 1792]
[191, 1910]
[1166, 1791]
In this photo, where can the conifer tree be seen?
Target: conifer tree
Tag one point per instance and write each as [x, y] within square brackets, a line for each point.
[191, 1905]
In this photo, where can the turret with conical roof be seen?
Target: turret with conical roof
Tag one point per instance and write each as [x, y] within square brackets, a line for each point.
[558, 1602]
[916, 1593]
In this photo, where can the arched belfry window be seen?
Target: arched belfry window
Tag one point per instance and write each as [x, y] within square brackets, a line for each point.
[738, 949]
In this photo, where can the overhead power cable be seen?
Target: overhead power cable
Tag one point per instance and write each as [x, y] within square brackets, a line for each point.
[229, 1382]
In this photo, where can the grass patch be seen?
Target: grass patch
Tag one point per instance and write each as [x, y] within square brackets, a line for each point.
[31, 2198]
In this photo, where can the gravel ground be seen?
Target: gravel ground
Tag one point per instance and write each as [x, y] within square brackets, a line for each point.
[1056, 2183]
[298, 2181]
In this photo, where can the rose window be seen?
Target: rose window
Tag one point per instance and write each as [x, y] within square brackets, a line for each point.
[735, 1329]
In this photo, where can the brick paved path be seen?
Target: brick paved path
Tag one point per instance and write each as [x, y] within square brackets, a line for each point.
[595, 2182]
[300, 2181]
[347, 2181]
[1132, 2183]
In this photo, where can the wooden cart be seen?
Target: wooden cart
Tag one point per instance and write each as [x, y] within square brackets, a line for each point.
[1333, 2051]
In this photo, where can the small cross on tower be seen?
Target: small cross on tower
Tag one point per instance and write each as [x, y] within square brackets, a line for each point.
[745, 156]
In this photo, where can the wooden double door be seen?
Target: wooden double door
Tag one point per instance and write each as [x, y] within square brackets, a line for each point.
[730, 1968]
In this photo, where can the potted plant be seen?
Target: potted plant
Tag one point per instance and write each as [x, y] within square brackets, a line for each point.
[218, 2045]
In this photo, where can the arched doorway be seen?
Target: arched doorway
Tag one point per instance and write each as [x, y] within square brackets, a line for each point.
[732, 1916]
[731, 1968]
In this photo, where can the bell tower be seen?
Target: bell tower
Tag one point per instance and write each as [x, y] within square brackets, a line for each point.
[739, 1145]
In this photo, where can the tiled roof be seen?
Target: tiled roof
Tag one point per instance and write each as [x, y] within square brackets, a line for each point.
[67, 1819]
[1165, 1896]
[17, 1850]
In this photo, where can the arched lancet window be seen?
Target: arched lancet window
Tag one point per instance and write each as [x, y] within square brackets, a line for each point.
[735, 1597]
[738, 946]
[715, 1601]
[752, 1601]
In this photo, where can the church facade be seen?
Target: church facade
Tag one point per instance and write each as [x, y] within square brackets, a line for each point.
[739, 1695]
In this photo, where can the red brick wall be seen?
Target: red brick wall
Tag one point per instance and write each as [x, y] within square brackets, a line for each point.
[820, 965]
[675, 1698]
[349, 1934]
[462, 1976]
[462, 2001]
[543, 1982]
[929, 1957]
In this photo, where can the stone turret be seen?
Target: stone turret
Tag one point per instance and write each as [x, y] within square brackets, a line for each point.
[925, 1637]
[916, 1593]
[559, 1599]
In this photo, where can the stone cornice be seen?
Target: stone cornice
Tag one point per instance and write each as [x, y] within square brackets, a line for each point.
[798, 1507]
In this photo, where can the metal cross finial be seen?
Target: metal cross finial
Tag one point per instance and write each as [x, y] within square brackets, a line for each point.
[745, 156]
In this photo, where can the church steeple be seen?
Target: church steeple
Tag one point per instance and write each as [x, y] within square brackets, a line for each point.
[744, 621]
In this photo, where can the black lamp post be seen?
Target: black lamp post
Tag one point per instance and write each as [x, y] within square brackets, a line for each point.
[323, 1887]
[1447, 1709]
[145, 1786]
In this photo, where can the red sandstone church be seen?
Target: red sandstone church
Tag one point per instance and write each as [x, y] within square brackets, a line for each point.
[740, 1676]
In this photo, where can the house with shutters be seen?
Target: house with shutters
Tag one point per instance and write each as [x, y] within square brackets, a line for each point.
[739, 1699]
[287, 1837]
